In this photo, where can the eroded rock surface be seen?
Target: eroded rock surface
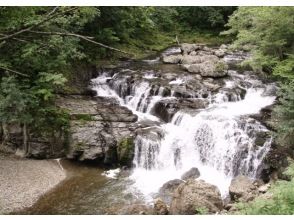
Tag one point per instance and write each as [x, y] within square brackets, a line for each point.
[196, 195]
[97, 127]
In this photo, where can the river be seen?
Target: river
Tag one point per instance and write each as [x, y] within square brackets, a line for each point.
[186, 125]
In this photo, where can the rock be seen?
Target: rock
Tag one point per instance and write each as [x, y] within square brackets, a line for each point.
[193, 53]
[174, 59]
[223, 47]
[264, 188]
[211, 86]
[137, 209]
[209, 58]
[165, 109]
[193, 173]
[188, 48]
[97, 127]
[125, 151]
[160, 208]
[187, 59]
[167, 190]
[209, 69]
[219, 53]
[242, 189]
[196, 195]
[194, 68]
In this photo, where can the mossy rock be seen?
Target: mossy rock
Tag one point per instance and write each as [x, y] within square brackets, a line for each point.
[221, 66]
[125, 151]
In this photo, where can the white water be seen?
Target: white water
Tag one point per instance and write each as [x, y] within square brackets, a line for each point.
[210, 141]
[218, 140]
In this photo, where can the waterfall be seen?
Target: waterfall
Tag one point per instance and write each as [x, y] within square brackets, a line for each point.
[220, 140]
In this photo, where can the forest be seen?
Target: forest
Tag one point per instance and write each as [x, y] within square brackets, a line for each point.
[44, 52]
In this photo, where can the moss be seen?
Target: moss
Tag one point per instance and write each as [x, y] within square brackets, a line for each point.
[125, 151]
[83, 117]
[79, 146]
[202, 211]
[220, 67]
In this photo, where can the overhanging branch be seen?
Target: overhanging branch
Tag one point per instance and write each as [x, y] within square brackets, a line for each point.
[50, 16]
[86, 38]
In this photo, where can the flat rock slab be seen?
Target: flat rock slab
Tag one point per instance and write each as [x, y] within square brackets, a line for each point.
[23, 181]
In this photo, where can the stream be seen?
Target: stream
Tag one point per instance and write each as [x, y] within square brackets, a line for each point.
[186, 121]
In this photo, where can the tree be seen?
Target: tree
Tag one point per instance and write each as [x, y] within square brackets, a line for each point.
[268, 33]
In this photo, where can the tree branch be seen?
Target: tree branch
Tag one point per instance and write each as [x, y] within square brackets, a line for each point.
[50, 16]
[86, 38]
[16, 39]
[14, 71]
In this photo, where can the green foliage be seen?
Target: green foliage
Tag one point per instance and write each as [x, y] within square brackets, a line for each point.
[204, 17]
[125, 151]
[284, 113]
[39, 47]
[39, 63]
[268, 33]
[280, 203]
[202, 211]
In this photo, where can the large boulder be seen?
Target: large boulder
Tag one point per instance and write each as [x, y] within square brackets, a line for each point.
[209, 69]
[167, 190]
[193, 173]
[160, 208]
[188, 59]
[173, 59]
[242, 188]
[188, 48]
[195, 195]
[166, 109]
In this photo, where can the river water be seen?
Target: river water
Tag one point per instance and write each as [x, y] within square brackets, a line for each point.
[219, 138]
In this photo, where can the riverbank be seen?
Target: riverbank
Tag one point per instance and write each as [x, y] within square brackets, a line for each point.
[23, 181]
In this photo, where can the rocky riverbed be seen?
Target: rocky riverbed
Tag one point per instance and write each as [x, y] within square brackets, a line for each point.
[23, 181]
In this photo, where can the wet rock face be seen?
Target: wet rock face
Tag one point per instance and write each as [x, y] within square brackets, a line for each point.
[242, 189]
[167, 190]
[97, 128]
[165, 109]
[160, 208]
[196, 195]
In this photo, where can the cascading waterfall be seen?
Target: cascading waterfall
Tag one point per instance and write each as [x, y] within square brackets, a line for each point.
[219, 140]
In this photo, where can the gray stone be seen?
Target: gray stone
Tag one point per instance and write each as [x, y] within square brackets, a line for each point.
[242, 189]
[193, 173]
[160, 208]
[167, 190]
[219, 53]
[194, 195]
[188, 59]
[188, 48]
[174, 59]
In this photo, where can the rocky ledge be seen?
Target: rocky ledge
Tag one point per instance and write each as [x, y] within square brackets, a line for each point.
[100, 129]
[200, 59]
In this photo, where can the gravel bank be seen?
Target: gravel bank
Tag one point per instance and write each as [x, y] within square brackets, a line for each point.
[23, 181]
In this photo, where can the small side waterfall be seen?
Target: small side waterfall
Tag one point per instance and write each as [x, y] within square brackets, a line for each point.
[221, 140]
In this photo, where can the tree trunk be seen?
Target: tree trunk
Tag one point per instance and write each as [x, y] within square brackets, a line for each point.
[5, 133]
[25, 140]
